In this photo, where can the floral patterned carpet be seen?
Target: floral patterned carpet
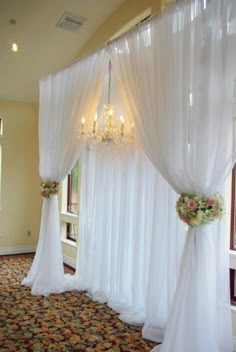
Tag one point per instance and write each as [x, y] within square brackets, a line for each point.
[67, 322]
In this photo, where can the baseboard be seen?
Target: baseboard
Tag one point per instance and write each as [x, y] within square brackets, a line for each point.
[17, 250]
[31, 249]
[69, 261]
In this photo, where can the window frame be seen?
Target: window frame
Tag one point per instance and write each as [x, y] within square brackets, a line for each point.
[68, 204]
[69, 237]
[232, 221]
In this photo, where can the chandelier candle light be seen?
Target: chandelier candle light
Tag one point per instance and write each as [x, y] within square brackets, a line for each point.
[108, 131]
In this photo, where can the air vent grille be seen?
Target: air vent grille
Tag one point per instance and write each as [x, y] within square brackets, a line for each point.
[70, 22]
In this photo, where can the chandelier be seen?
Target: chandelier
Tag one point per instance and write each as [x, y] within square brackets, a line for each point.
[108, 129]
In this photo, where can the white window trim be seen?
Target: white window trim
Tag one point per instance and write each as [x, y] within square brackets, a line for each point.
[69, 242]
[232, 259]
[68, 217]
[64, 219]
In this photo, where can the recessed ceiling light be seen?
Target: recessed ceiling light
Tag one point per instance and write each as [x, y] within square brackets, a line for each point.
[14, 47]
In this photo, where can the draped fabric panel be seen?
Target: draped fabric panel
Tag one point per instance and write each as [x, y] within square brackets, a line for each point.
[176, 75]
[127, 216]
[65, 97]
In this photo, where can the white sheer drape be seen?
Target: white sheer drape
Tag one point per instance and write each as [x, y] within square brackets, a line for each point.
[176, 77]
[126, 210]
[64, 98]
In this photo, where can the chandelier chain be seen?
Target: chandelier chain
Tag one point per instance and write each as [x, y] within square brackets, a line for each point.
[109, 83]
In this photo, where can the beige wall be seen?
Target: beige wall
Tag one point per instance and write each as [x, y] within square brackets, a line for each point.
[20, 199]
[122, 19]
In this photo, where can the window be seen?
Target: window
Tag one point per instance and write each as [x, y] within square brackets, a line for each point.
[70, 205]
[233, 213]
[71, 231]
[233, 236]
[72, 190]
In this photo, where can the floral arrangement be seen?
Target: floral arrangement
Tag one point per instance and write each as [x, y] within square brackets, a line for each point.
[196, 210]
[49, 188]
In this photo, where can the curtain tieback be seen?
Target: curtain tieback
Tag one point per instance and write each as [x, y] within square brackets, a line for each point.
[195, 209]
[49, 188]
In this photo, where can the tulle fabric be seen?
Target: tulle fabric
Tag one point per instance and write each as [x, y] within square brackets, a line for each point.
[129, 251]
[176, 74]
[65, 97]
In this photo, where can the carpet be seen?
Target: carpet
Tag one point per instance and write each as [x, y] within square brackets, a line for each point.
[66, 322]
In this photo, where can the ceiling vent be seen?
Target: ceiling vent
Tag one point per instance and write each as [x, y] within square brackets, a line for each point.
[70, 22]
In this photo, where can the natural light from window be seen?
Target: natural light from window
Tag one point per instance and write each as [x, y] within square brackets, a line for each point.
[70, 205]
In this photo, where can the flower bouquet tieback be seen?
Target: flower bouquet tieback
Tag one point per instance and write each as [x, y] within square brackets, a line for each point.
[197, 210]
[49, 188]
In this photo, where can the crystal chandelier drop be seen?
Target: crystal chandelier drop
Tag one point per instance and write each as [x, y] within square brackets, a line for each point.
[109, 130]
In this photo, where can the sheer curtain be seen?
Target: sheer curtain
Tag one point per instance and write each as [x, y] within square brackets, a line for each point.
[127, 209]
[65, 97]
[176, 76]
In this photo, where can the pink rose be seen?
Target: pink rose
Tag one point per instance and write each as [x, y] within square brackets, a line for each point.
[191, 205]
[210, 201]
[185, 218]
[216, 213]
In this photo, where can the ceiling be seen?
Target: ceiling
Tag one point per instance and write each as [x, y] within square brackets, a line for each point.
[43, 48]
